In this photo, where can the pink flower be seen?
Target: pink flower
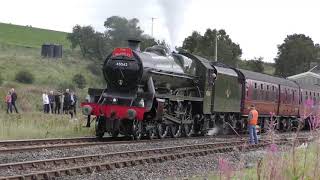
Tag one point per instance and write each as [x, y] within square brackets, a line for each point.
[223, 166]
[273, 148]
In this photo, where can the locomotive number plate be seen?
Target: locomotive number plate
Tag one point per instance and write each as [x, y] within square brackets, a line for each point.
[122, 64]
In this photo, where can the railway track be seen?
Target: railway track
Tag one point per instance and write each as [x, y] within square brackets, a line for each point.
[56, 143]
[38, 144]
[50, 168]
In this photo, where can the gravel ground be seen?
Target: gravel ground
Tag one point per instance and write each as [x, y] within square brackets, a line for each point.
[178, 169]
[135, 172]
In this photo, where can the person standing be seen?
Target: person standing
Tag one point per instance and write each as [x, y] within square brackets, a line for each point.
[88, 99]
[14, 98]
[67, 102]
[45, 100]
[57, 101]
[252, 123]
[74, 100]
[9, 102]
[51, 101]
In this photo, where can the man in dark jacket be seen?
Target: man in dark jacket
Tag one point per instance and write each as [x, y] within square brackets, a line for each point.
[67, 102]
[57, 101]
[14, 98]
[51, 101]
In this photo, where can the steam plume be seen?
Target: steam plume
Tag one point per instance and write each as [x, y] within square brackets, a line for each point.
[173, 11]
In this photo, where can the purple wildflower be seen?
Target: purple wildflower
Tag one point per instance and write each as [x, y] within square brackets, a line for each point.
[273, 148]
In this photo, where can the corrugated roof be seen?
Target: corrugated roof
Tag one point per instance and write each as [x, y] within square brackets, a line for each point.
[311, 87]
[308, 73]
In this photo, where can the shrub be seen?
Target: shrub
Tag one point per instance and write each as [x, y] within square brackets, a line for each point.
[1, 79]
[65, 85]
[94, 69]
[24, 76]
[79, 81]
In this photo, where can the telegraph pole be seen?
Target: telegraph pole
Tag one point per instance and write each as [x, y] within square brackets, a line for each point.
[216, 49]
[152, 19]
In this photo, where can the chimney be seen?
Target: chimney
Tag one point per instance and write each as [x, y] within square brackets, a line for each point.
[134, 44]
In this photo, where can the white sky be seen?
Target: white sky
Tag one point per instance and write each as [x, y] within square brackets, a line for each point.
[258, 26]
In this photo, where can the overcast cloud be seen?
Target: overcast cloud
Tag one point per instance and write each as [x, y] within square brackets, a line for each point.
[258, 26]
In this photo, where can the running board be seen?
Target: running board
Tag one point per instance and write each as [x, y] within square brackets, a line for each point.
[172, 119]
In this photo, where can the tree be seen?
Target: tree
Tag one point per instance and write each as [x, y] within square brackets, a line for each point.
[120, 29]
[294, 55]
[191, 42]
[79, 80]
[228, 51]
[147, 41]
[93, 45]
[255, 65]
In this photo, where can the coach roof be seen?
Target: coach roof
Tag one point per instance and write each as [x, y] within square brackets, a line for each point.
[268, 78]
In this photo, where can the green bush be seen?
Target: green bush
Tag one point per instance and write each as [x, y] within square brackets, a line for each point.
[1, 79]
[65, 85]
[94, 69]
[24, 76]
[79, 81]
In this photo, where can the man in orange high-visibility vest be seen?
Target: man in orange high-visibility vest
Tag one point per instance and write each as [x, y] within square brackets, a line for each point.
[252, 123]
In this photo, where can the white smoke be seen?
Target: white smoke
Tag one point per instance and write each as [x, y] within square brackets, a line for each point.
[173, 12]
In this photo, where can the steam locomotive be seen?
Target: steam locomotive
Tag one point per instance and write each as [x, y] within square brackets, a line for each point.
[158, 94]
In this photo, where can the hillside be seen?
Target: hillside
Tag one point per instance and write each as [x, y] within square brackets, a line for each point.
[31, 37]
[20, 50]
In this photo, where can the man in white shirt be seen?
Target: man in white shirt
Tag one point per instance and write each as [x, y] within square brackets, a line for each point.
[45, 100]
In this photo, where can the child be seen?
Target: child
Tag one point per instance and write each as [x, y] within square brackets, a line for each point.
[9, 102]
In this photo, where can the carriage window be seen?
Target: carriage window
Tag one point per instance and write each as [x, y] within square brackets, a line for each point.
[272, 88]
[314, 94]
[292, 95]
[262, 86]
[267, 87]
[310, 93]
[318, 94]
[306, 97]
[247, 89]
[255, 85]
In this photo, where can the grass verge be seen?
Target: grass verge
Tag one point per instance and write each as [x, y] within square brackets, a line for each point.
[39, 125]
[293, 164]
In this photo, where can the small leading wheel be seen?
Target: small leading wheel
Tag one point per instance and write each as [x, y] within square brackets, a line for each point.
[137, 129]
[99, 128]
[175, 130]
[188, 130]
[162, 130]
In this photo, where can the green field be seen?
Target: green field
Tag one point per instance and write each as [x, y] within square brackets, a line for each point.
[31, 37]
